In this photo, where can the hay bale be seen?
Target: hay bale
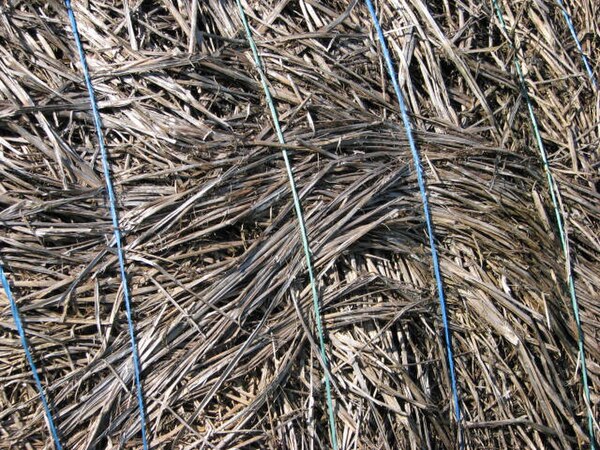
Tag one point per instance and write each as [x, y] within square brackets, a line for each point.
[223, 309]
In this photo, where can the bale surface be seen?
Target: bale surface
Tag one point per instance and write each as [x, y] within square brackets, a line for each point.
[222, 303]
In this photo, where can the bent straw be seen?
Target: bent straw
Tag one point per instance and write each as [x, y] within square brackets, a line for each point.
[301, 223]
[34, 371]
[115, 221]
[423, 190]
[564, 238]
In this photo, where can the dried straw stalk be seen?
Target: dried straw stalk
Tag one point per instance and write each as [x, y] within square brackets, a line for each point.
[223, 308]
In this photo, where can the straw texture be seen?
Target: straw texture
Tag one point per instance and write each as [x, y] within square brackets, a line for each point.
[221, 300]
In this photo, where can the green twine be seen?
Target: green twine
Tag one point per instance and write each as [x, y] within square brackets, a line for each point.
[301, 223]
[564, 240]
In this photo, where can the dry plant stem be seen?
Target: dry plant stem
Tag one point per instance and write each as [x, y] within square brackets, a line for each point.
[301, 226]
[428, 221]
[115, 223]
[212, 239]
[562, 231]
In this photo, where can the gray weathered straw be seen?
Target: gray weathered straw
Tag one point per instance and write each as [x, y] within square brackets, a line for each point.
[222, 304]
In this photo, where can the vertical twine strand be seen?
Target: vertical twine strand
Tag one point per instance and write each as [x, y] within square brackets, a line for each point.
[584, 58]
[564, 239]
[115, 220]
[34, 371]
[422, 188]
[301, 223]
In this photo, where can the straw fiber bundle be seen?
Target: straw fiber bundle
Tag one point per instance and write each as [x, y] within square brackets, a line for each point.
[222, 303]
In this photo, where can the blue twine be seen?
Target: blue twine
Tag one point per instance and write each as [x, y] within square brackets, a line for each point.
[422, 188]
[586, 62]
[15, 313]
[564, 238]
[115, 220]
